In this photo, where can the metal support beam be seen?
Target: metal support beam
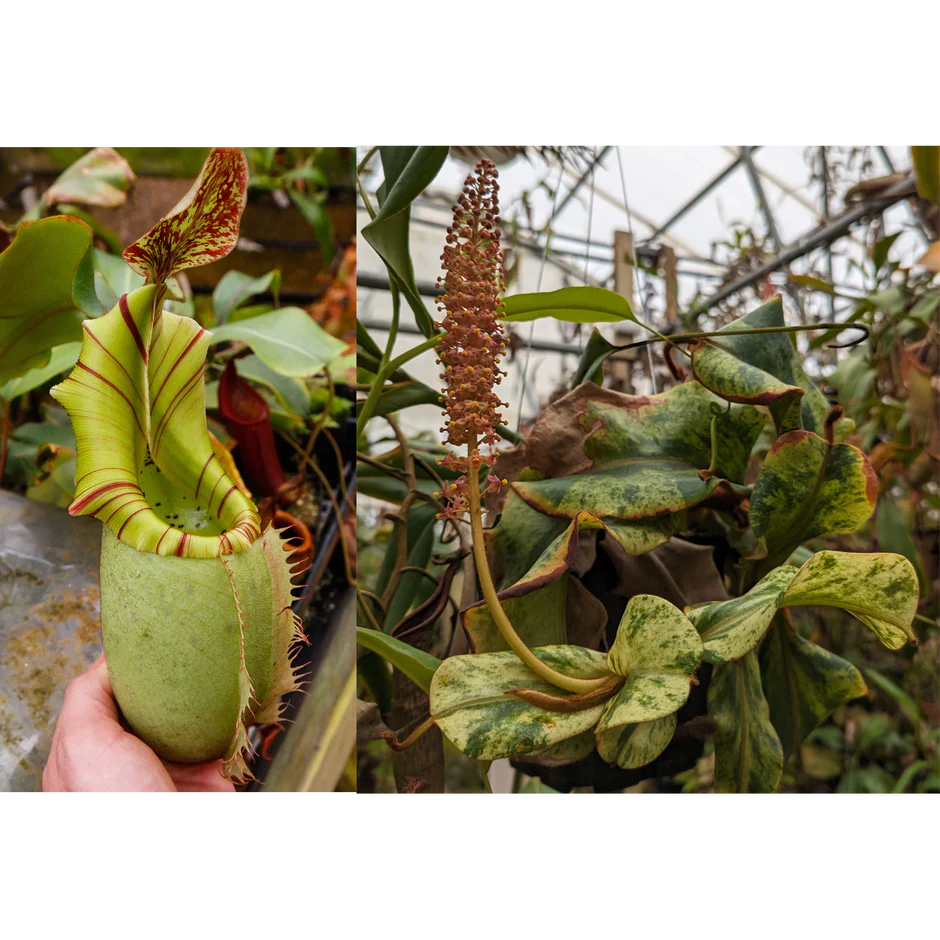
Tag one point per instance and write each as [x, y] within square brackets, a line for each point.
[824, 165]
[761, 197]
[697, 198]
[542, 345]
[821, 235]
[579, 182]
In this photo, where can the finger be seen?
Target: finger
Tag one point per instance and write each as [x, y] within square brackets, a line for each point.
[89, 699]
[199, 778]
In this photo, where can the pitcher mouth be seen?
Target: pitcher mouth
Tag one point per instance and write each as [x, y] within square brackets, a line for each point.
[146, 466]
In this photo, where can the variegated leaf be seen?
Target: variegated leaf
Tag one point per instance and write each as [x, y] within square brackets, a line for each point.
[202, 227]
[641, 456]
[47, 289]
[472, 704]
[657, 651]
[807, 488]
[731, 628]
[803, 683]
[146, 465]
[631, 746]
[879, 589]
[565, 752]
[764, 369]
[748, 753]
[519, 538]
[535, 604]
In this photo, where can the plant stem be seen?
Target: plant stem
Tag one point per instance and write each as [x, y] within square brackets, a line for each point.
[727, 334]
[387, 369]
[364, 162]
[506, 629]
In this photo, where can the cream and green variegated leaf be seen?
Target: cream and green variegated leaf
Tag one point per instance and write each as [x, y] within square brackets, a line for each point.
[642, 536]
[631, 746]
[629, 491]
[536, 603]
[808, 488]
[731, 628]
[47, 290]
[657, 651]
[202, 227]
[880, 589]
[675, 424]
[565, 752]
[522, 534]
[748, 753]
[146, 466]
[642, 456]
[518, 539]
[473, 704]
[803, 683]
[764, 369]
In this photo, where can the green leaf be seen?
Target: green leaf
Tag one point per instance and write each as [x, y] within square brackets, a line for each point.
[146, 466]
[657, 650]
[202, 227]
[290, 392]
[908, 705]
[873, 779]
[748, 753]
[894, 535]
[879, 589]
[312, 208]
[114, 278]
[61, 358]
[373, 671]
[572, 304]
[47, 289]
[421, 522]
[100, 178]
[810, 283]
[879, 253]
[591, 365]
[805, 489]
[288, 341]
[764, 369]
[414, 663]
[927, 172]
[235, 288]
[366, 344]
[408, 172]
[731, 628]
[103, 234]
[804, 683]
[472, 705]
[400, 395]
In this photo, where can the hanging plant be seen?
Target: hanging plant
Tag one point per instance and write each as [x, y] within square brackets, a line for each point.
[629, 473]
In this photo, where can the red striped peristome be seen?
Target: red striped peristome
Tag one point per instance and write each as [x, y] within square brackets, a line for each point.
[472, 343]
[137, 393]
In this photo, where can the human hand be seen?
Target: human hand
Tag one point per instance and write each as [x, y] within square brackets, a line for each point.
[92, 752]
